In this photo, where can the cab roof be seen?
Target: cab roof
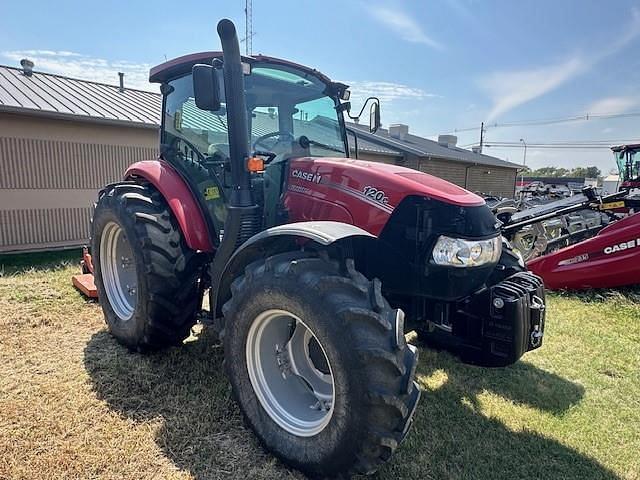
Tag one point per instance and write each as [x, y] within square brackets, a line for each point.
[181, 65]
[623, 148]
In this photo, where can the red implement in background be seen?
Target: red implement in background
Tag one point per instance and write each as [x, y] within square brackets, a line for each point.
[84, 282]
[610, 259]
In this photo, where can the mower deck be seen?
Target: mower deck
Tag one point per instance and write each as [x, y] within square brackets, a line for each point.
[84, 282]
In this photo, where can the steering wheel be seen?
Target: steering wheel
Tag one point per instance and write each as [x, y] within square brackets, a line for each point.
[279, 133]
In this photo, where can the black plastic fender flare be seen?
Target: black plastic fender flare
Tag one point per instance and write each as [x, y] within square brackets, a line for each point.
[275, 240]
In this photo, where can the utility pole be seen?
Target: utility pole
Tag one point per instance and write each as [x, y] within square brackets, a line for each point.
[481, 136]
[248, 27]
[524, 163]
[524, 159]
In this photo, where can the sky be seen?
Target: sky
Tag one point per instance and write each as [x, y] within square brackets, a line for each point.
[439, 66]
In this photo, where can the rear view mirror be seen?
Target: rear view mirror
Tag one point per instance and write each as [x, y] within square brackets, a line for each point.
[374, 113]
[374, 117]
[205, 87]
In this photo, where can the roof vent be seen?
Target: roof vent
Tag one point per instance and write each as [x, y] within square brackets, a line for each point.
[398, 130]
[27, 66]
[121, 75]
[447, 140]
[476, 149]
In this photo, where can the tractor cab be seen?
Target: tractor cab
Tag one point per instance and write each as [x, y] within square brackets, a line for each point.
[292, 112]
[628, 160]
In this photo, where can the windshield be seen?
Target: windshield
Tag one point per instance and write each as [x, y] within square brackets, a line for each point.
[628, 164]
[290, 111]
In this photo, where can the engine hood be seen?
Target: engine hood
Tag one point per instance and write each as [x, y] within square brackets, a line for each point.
[396, 182]
[361, 192]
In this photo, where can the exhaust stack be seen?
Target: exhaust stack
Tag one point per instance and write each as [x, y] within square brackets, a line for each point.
[236, 114]
[244, 217]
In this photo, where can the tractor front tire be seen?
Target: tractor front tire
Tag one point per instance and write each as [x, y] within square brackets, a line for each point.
[147, 278]
[318, 363]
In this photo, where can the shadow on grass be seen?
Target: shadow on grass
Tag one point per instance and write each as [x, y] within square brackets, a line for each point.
[12, 263]
[202, 431]
[453, 438]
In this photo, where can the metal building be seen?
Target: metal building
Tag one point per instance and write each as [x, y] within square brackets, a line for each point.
[62, 139]
[469, 169]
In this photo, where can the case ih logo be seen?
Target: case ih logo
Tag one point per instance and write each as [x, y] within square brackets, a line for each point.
[622, 246]
[306, 176]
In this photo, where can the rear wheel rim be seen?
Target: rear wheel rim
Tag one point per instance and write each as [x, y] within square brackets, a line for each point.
[290, 373]
[118, 271]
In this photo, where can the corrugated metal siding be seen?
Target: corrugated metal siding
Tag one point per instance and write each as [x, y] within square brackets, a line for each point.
[41, 228]
[33, 163]
[492, 181]
[451, 171]
[391, 160]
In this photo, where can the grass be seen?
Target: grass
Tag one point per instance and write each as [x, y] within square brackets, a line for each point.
[74, 404]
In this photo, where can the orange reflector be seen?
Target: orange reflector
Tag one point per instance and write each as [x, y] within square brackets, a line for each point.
[255, 164]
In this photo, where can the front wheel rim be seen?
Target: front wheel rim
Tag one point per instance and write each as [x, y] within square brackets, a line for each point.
[290, 373]
[118, 269]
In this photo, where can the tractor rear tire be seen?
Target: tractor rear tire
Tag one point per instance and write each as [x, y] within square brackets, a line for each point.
[361, 367]
[147, 278]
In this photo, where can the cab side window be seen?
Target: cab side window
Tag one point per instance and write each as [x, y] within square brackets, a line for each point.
[196, 142]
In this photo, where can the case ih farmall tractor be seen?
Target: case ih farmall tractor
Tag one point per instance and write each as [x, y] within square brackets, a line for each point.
[628, 161]
[309, 259]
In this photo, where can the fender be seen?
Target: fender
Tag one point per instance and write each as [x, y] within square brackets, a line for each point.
[274, 240]
[180, 199]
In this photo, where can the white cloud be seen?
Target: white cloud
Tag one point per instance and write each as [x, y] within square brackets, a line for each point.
[461, 9]
[387, 92]
[77, 65]
[613, 105]
[510, 89]
[403, 25]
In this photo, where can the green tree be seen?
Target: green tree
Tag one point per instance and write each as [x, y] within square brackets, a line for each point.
[593, 172]
[586, 172]
[545, 172]
[579, 172]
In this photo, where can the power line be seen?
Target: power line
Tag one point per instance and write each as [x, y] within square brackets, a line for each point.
[606, 143]
[549, 121]
[551, 147]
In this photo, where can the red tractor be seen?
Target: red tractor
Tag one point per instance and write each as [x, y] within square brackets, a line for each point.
[628, 161]
[309, 259]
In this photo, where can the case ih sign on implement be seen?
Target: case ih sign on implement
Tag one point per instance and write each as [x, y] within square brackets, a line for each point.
[310, 260]
[609, 259]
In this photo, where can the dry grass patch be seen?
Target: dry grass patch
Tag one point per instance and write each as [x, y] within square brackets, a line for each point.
[74, 404]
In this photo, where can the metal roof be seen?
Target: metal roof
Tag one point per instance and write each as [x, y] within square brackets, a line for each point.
[424, 147]
[371, 147]
[64, 97]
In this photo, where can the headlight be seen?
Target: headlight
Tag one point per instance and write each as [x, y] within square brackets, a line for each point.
[457, 252]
